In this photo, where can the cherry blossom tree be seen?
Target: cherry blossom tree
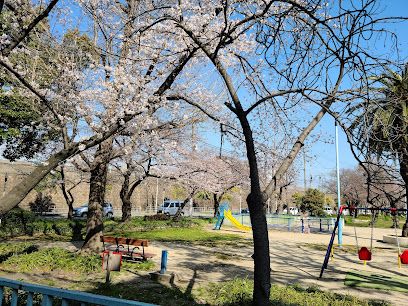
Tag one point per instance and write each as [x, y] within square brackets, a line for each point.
[89, 108]
[278, 57]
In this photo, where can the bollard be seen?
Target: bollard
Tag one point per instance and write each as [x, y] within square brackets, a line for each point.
[163, 266]
[303, 225]
[321, 225]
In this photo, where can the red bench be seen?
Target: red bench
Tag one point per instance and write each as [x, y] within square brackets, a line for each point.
[131, 249]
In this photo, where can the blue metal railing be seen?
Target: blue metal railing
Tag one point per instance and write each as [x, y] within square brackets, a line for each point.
[65, 296]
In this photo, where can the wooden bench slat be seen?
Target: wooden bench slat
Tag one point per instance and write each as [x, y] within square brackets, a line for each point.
[128, 247]
[127, 241]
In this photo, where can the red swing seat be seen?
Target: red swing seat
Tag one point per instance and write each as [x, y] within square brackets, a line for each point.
[365, 254]
[404, 257]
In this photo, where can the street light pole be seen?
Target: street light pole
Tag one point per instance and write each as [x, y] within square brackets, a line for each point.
[340, 226]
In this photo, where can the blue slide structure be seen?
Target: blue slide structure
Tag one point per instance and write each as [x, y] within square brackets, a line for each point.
[220, 215]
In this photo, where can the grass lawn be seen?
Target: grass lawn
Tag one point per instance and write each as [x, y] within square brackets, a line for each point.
[364, 221]
[189, 235]
[239, 292]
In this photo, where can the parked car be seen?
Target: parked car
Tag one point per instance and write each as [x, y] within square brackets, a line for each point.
[292, 210]
[170, 207]
[82, 211]
[328, 210]
[245, 211]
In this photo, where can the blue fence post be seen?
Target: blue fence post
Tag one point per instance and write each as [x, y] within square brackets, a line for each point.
[163, 266]
[290, 224]
[303, 225]
[46, 300]
[14, 297]
[30, 299]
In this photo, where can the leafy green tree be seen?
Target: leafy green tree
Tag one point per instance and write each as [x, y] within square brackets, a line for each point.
[382, 128]
[297, 199]
[313, 202]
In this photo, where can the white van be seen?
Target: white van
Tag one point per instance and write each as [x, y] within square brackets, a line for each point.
[292, 211]
[328, 210]
[170, 207]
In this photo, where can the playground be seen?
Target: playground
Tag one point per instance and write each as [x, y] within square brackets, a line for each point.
[201, 258]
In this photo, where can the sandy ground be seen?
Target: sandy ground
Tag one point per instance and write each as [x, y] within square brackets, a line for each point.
[291, 262]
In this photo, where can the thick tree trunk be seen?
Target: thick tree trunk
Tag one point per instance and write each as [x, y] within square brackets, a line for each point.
[97, 188]
[126, 209]
[216, 204]
[404, 174]
[126, 204]
[256, 201]
[20, 191]
[126, 192]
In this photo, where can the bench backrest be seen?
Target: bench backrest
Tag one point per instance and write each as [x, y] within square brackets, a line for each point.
[125, 241]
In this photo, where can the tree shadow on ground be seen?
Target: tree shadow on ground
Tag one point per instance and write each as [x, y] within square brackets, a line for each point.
[143, 289]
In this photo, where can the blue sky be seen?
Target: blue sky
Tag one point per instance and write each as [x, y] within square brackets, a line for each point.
[321, 158]
[321, 154]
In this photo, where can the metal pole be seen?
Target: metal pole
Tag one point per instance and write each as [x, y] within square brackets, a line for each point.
[340, 225]
[163, 265]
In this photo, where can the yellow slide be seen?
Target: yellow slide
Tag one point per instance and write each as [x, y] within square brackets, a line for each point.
[235, 222]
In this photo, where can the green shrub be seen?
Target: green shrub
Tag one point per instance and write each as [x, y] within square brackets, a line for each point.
[17, 222]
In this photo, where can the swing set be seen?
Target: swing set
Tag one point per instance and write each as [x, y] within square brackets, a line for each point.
[364, 253]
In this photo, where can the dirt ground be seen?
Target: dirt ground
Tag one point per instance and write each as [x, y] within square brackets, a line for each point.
[292, 261]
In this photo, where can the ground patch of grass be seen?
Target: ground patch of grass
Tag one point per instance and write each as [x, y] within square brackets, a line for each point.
[345, 248]
[19, 223]
[364, 221]
[9, 249]
[58, 259]
[191, 234]
[148, 293]
[53, 259]
[376, 281]
[140, 224]
[239, 292]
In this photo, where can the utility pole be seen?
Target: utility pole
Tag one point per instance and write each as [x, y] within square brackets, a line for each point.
[340, 230]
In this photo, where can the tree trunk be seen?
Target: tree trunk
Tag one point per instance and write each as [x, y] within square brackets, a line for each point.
[69, 199]
[126, 204]
[216, 204]
[97, 188]
[256, 201]
[404, 174]
[126, 192]
[179, 212]
[70, 210]
[13, 197]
